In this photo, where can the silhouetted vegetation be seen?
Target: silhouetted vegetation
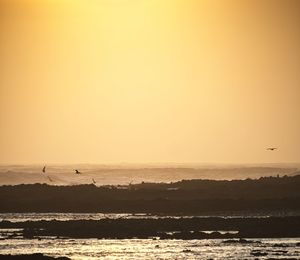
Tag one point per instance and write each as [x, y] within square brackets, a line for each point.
[184, 197]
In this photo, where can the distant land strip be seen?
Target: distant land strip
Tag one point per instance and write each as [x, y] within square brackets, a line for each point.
[184, 197]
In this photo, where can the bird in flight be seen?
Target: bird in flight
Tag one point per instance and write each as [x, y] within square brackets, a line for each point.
[94, 181]
[77, 172]
[272, 148]
[44, 169]
[49, 178]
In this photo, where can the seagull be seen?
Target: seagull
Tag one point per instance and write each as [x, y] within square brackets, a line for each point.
[77, 172]
[272, 148]
[44, 169]
[94, 181]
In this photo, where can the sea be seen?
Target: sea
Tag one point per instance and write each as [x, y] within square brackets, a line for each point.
[154, 248]
[124, 174]
[78, 249]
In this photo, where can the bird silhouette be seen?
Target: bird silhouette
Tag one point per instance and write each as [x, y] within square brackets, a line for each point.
[77, 172]
[272, 148]
[50, 179]
[44, 169]
[94, 181]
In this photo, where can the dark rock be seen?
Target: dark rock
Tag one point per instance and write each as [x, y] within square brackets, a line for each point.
[280, 245]
[258, 253]
[36, 256]
[240, 241]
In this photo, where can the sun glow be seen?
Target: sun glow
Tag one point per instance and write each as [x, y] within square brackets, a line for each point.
[142, 81]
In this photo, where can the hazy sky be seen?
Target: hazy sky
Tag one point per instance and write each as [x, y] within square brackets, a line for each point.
[107, 81]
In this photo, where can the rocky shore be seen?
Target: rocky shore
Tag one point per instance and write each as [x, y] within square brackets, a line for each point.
[166, 228]
[37, 256]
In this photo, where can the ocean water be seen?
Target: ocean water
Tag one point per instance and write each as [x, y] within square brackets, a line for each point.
[22, 217]
[78, 249]
[138, 248]
[125, 174]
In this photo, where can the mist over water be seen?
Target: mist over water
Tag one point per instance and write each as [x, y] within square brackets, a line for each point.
[125, 174]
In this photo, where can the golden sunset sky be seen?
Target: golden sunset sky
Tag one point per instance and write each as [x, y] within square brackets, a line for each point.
[141, 81]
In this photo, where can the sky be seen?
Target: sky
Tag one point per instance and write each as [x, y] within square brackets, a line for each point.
[143, 81]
